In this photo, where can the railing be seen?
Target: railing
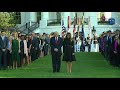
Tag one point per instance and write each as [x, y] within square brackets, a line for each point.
[23, 28]
[85, 21]
[26, 28]
[34, 25]
[54, 22]
[57, 22]
[103, 22]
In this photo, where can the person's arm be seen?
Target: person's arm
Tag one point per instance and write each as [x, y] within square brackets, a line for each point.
[19, 46]
[1, 46]
[51, 45]
[73, 48]
[10, 44]
[63, 46]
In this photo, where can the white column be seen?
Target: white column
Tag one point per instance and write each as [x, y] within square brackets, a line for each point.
[33, 16]
[23, 18]
[116, 15]
[65, 18]
[44, 18]
[44, 15]
[27, 17]
[93, 17]
[72, 15]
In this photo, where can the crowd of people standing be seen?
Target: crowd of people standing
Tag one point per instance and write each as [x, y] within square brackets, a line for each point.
[17, 49]
[109, 44]
[80, 43]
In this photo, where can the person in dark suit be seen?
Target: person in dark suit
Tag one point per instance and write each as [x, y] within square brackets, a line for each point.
[68, 50]
[34, 47]
[106, 39]
[22, 55]
[112, 39]
[3, 51]
[56, 44]
[83, 44]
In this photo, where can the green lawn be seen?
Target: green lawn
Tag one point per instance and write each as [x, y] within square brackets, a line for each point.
[88, 65]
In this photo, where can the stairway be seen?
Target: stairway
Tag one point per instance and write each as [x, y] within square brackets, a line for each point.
[28, 27]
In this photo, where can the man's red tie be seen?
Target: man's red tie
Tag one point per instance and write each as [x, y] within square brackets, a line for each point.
[56, 40]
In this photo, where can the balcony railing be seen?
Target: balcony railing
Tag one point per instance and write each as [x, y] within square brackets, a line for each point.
[103, 22]
[85, 21]
[54, 22]
[57, 22]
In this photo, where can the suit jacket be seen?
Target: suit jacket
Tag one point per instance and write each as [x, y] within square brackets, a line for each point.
[54, 45]
[106, 41]
[3, 43]
[35, 43]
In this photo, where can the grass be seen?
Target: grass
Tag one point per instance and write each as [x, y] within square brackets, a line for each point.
[88, 65]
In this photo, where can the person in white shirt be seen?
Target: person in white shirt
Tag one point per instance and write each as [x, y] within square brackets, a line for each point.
[78, 44]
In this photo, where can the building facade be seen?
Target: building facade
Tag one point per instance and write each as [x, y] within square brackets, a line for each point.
[51, 21]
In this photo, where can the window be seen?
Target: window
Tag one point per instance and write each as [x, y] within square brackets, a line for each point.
[56, 21]
[38, 16]
[18, 17]
[58, 14]
[103, 18]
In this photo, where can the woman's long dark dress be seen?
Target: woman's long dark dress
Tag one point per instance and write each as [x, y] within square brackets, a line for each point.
[68, 50]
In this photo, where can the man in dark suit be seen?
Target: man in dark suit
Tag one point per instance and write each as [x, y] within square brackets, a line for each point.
[56, 44]
[3, 50]
[34, 47]
[111, 47]
[106, 39]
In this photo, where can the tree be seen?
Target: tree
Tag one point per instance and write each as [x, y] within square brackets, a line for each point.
[7, 20]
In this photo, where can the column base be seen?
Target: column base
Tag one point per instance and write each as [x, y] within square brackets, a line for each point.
[43, 23]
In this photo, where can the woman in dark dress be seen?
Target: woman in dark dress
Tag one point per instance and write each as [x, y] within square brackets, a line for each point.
[15, 50]
[68, 50]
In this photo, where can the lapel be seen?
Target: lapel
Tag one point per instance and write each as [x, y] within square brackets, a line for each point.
[58, 39]
[55, 40]
[3, 40]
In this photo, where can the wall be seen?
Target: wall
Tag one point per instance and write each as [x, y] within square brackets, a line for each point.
[25, 17]
[52, 15]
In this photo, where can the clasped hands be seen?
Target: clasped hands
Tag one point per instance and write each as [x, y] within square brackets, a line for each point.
[73, 53]
[3, 50]
[55, 49]
[115, 52]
